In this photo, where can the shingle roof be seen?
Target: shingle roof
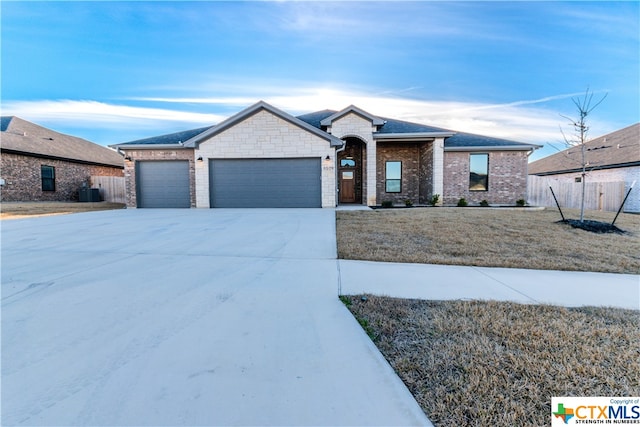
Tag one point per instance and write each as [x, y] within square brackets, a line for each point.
[170, 138]
[458, 140]
[617, 149]
[263, 106]
[21, 136]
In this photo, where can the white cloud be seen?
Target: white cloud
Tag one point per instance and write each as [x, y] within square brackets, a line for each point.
[86, 113]
[517, 120]
[520, 120]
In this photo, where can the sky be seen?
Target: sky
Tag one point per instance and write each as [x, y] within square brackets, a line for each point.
[113, 72]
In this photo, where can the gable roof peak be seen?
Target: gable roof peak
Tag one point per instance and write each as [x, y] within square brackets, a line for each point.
[253, 109]
[375, 120]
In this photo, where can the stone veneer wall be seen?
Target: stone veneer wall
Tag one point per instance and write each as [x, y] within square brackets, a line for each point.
[168, 154]
[507, 178]
[354, 125]
[264, 135]
[23, 181]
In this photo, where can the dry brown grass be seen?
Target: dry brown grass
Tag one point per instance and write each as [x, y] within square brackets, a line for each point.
[472, 363]
[16, 210]
[513, 238]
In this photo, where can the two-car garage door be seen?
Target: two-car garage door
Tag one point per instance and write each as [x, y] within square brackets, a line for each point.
[265, 183]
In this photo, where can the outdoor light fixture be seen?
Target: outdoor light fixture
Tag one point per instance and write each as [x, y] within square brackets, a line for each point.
[327, 158]
[200, 158]
[128, 158]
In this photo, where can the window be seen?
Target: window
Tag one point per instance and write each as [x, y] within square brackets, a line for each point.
[479, 172]
[393, 183]
[348, 163]
[578, 179]
[48, 175]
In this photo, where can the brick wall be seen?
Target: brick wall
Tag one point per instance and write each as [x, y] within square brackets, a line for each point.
[23, 181]
[409, 155]
[507, 178]
[426, 173]
[138, 155]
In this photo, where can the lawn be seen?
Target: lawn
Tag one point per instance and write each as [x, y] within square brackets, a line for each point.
[478, 363]
[16, 210]
[512, 238]
[481, 363]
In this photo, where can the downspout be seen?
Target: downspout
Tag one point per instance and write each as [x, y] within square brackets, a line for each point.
[344, 145]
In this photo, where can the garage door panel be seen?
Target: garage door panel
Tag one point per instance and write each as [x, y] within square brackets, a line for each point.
[163, 184]
[266, 183]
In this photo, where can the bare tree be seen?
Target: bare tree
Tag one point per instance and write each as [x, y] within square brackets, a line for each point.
[585, 106]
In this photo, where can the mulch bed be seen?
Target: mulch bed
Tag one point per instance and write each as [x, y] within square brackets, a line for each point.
[593, 226]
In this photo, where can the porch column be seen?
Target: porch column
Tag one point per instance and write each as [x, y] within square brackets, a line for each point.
[372, 188]
[438, 168]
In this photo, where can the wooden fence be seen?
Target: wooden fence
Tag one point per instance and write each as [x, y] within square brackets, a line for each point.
[111, 188]
[602, 196]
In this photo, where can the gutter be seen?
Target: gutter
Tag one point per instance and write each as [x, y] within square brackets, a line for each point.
[495, 148]
[63, 159]
[148, 146]
[590, 169]
[412, 136]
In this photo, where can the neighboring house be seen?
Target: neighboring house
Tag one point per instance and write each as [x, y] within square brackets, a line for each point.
[39, 164]
[265, 157]
[612, 158]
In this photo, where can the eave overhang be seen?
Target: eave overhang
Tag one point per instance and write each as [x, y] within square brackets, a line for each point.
[589, 168]
[63, 159]
[522, 147]
[125, 146]
[411, 137]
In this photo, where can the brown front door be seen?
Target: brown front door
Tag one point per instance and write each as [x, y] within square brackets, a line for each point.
[347, 187]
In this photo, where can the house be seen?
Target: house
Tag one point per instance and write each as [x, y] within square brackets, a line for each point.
[612, 158]
[39, 164]
[265, 157]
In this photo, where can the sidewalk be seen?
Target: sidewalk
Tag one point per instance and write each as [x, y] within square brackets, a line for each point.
[444, 282]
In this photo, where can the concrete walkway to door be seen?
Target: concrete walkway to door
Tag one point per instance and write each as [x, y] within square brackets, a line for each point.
[186, 317]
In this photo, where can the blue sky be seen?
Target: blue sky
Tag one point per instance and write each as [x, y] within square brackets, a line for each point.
[117, 71]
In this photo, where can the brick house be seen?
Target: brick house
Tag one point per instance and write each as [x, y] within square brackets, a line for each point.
[39, 164]
[265, 157]
[611, 158]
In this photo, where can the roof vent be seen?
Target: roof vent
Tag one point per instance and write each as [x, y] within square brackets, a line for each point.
[24, 134]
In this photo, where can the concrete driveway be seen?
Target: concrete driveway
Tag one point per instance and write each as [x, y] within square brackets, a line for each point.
[186, 317]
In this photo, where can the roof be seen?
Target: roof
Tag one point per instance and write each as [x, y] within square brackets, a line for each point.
[22, 137]
[617, 149]
[176, 138]
[191, 138]
[317, 122]
[376, 121]
[255, 108]
[454, 140]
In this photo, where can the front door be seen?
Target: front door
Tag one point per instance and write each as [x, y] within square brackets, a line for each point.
[347, 187]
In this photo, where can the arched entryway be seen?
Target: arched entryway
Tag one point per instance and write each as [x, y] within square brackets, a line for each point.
[351, 163]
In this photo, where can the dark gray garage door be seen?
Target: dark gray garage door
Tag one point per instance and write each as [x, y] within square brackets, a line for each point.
[265, 183]
[163, 184]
